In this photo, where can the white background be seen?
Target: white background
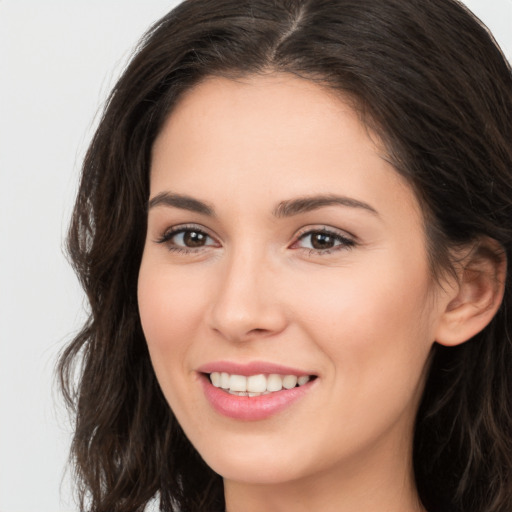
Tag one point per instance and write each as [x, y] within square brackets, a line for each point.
[58, 60]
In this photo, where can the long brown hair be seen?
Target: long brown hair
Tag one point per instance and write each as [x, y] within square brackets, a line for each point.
[427, 75]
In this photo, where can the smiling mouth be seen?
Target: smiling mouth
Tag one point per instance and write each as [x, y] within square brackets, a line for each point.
[256, 385]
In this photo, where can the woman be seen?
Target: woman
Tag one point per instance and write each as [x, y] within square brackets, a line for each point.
[294, 228]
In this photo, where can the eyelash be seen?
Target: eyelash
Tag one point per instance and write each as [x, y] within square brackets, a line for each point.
[167, 237]
[344, 242]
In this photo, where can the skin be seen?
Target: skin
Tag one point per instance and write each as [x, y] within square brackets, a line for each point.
[362, 316]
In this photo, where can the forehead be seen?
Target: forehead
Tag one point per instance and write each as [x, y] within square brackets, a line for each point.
[277, 102]
[271, 137]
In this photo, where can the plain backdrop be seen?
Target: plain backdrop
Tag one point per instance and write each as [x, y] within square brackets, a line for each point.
[58, 60]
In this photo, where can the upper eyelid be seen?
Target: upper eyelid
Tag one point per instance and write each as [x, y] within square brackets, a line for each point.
[178, 228]
[346, 239]
[326, 229]
[174, 230]
[306, 230]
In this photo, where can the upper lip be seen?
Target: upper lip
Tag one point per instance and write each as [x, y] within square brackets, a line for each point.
[250, 368]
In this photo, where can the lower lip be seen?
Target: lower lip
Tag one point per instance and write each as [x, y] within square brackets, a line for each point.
[252, 408]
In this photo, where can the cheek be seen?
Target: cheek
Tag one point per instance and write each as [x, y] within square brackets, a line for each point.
[375, 334]
[171, 308]
[364, 299]
[374, 323]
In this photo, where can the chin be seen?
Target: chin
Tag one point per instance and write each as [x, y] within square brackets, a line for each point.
[258, 471]
[257, 459]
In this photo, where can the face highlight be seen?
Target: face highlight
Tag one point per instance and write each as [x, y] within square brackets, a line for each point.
[285, 263]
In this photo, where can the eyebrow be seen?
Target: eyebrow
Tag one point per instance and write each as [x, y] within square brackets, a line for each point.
[306, 204]
[287, 208]
[181, 201]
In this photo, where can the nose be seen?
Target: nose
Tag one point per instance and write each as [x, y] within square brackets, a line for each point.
[245, 304]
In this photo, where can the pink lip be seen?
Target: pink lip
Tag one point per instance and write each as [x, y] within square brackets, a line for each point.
[251, 408]
[252, 368]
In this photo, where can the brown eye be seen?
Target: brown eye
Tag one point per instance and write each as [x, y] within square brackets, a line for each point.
[184, 239]
[194, 238]
[322, 241]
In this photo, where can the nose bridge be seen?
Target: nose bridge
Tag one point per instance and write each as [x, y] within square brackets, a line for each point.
[244, 304]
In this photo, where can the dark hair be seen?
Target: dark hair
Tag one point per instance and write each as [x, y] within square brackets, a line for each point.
[428, 77]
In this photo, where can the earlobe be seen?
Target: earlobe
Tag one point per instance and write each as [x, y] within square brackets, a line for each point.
[477, 294]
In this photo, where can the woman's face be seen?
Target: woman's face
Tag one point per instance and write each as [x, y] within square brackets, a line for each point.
[281, 242]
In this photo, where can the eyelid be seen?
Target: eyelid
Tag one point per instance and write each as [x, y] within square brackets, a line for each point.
[323, 228]
[347, 239]
[172, 231]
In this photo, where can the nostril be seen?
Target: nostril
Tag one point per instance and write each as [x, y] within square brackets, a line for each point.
[257, 331]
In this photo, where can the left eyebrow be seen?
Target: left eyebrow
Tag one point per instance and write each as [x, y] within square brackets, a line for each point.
[306, 204]
[181, 201]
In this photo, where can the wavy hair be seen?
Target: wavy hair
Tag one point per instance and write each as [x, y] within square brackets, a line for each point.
[429, 78]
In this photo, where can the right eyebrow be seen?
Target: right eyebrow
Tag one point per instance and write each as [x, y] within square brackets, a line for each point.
[308, 203]
[181, 201]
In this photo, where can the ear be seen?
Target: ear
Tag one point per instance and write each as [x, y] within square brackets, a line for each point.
[475, 295]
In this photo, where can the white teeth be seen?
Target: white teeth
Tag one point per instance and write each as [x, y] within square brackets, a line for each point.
[274, 382]
[304, 379]
[215, 378]
[289, 381]
[224, 380]
[256, 385]
[237, 383]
